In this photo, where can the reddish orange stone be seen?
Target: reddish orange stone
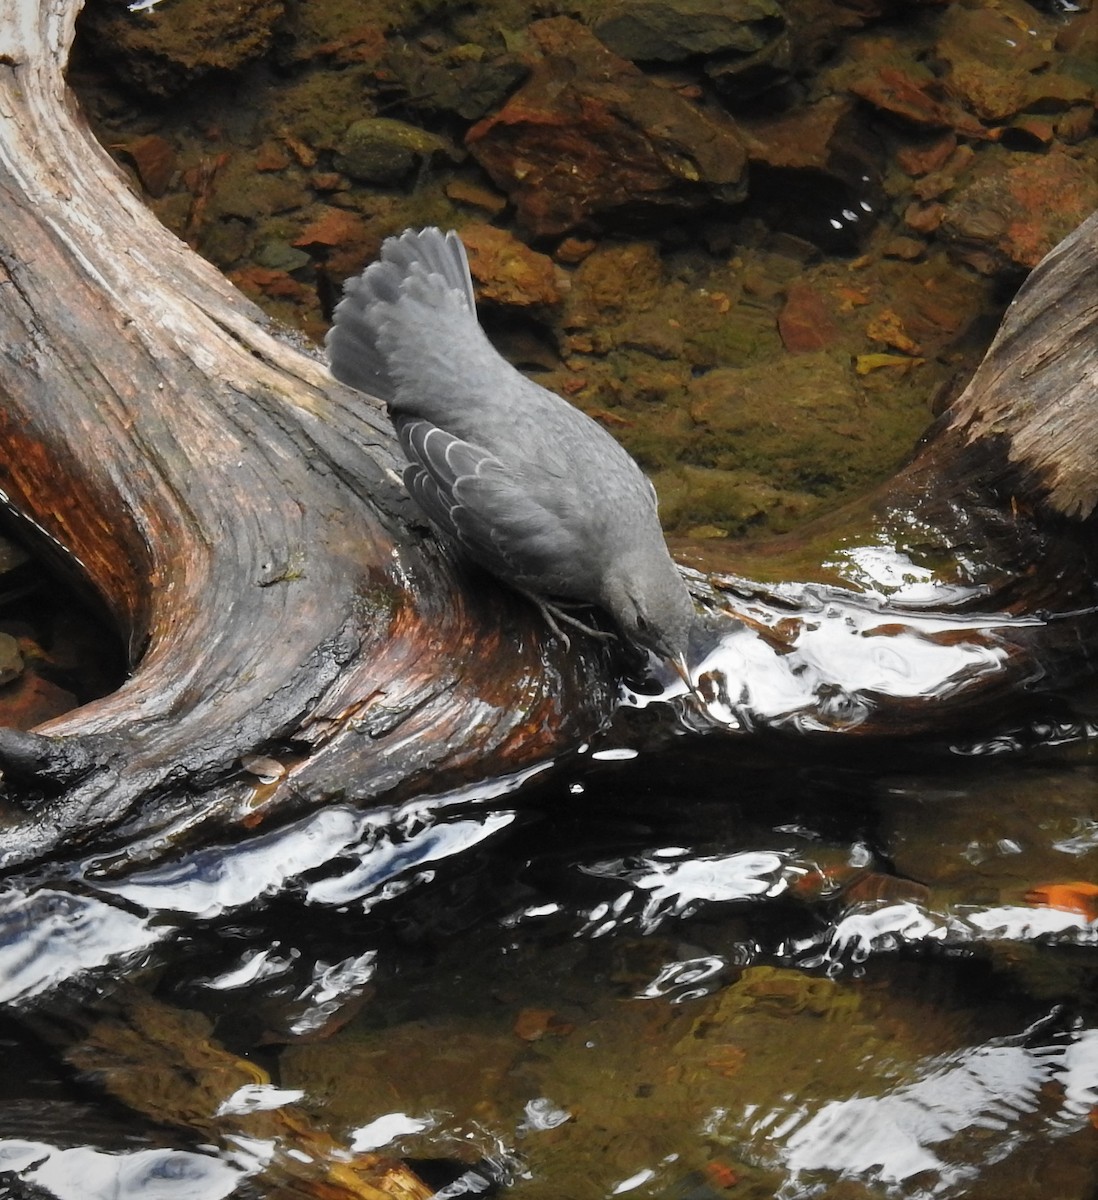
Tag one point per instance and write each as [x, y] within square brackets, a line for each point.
[805, 323]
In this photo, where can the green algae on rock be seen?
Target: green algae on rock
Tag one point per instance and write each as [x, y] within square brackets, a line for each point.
[589, 133]
[385, 151]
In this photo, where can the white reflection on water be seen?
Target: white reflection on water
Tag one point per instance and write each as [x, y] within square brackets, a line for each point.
[387, 1129]
[674, 887]
[258, 1097]
[870, 931]
[685, 979]
[81, 1173]
[841, 657]
[381, 855]
[887, 572]
[541, 1114]
[210, 882]
[374, 846]
[1083, 839]
[842, 653]
[919, 1134]
[254, 966]
[49, 936]
[330, 990]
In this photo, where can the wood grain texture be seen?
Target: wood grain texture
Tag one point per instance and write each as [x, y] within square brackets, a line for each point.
[237, 511]
[240, 516]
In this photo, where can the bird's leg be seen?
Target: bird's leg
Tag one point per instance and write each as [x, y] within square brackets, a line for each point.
[554, 613]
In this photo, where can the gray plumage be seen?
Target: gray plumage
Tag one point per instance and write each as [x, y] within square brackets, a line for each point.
[530, 487]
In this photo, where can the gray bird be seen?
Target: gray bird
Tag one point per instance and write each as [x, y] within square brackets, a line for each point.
[529, 486]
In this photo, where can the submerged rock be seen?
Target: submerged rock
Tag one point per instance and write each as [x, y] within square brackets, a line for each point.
[590, 134]
[744, 43]
[11, 659]
[883, 75]
[1014, 207]
[465, 82]
[163, 51]
[673, 30]
[999, 62]
[614, 280]
[508, 272]
[385, 151]
[805, 322]
[815, 173]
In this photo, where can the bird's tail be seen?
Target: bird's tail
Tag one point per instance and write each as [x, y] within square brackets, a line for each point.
[420, 281]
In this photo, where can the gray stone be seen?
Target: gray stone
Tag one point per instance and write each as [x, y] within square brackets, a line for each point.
[673, 30]
[278, 255]
[386, 151]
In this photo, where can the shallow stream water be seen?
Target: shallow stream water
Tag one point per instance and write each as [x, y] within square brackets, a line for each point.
[730, 967]
[701, 972]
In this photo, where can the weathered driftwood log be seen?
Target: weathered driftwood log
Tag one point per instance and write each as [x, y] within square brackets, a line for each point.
[238, 514]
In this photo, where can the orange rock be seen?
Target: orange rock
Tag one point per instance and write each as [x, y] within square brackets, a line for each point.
[155, 160]
[464, 191]
[271, 157]
[534, 1023]
[506, 270]
[911, 95]
[805, 323]
[924, 218]
[721, 1174]
[1016, 207]
[332, 227]
[265, 281]
[851, 297]
[1029, 131]
[887, 327]
[726, 1060]
[590, 133]
[30, 700]
[302, 151]
[924, 158]
[801, 139]
[574, 250]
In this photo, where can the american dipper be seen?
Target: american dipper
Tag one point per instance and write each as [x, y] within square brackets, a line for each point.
[529, 486]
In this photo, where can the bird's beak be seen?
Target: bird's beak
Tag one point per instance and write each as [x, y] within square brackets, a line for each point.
[678, 662]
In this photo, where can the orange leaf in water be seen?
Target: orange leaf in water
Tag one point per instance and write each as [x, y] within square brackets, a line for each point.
[720, 1174]
[534, 1023]
[1077, 897]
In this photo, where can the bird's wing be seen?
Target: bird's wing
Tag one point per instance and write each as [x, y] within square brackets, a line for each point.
[470, 494]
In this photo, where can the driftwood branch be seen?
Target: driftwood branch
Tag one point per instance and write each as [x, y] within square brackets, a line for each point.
[238, 514]
[296, 635]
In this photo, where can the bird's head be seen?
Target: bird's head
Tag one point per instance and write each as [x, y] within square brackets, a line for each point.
[653, 610]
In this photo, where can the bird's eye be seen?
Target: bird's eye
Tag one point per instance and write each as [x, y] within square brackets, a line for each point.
[642, 624]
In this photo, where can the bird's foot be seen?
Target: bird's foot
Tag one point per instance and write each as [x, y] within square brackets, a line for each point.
[553, 614]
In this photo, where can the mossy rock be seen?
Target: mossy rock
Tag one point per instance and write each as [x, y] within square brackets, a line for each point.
[385, 151]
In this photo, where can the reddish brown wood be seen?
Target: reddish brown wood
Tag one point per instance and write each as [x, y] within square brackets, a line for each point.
[240, 516]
